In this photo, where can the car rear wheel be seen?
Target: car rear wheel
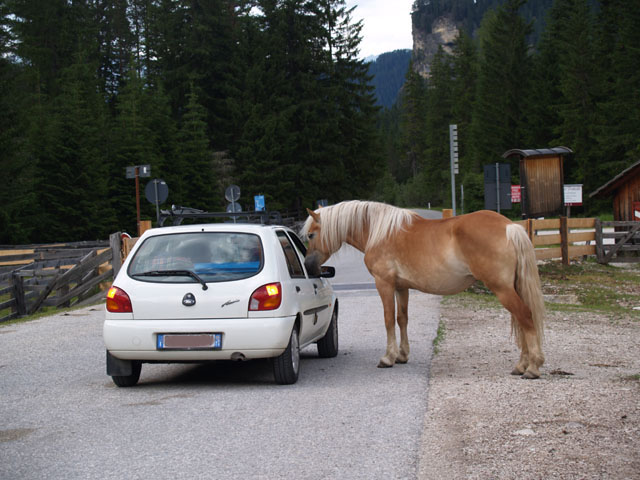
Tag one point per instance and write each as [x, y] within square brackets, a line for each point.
[287, 365]
[129, 380]
[328, 345]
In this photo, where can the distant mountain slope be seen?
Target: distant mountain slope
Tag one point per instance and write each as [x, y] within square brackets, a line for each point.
[389, 71]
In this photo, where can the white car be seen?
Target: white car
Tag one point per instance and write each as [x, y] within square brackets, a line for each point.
[217, 292]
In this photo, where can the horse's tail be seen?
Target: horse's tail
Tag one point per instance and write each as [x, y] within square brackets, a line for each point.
[527, 281]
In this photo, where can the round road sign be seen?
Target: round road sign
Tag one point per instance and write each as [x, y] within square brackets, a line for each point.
[232, 193]
[159, 186]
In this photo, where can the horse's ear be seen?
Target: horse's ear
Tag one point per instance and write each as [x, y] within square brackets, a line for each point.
[314, 215]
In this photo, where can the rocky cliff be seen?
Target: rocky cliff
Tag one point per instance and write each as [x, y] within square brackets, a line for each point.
[437, 22]
[443, 32]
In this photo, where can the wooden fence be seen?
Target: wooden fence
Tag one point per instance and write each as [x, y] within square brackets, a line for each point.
[626, 244]
[562, 237]
[34, 276]
[567, 238]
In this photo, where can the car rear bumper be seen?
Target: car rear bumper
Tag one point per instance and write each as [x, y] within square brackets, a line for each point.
[252, 337]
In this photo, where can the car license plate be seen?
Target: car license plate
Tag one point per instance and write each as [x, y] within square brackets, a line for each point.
[189, 341]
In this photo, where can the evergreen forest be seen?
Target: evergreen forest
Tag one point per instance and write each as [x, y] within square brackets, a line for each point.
[271, 95]
[266, 94]
[578, 86]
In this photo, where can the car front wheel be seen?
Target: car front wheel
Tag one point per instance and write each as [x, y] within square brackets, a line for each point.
[129, 380]
[287, 365]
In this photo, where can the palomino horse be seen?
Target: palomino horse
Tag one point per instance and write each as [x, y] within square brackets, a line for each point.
[443, 257]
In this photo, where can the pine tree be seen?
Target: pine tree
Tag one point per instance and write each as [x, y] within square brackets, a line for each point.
[413, 125]
[578, 84]
[132, 144]
[465, 73]
[72, 189]
[16, 195]
[196, 157]
[437, 169]
[505, 67]
[618, 52]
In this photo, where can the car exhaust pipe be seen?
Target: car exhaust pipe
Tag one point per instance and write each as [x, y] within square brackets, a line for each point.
[238, 357]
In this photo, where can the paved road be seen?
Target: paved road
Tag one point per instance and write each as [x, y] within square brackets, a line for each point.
[62, 418]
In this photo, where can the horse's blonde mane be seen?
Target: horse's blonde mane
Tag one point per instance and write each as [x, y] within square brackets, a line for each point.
[350, 217]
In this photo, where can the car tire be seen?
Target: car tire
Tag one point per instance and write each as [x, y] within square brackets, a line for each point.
[129, 380]
[328, 345]
[287, 366]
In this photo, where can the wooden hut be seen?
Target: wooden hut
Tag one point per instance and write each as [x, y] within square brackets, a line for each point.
[541, 180]
[625, 189]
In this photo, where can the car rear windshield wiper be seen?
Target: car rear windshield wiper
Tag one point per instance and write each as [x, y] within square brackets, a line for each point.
[173, 273]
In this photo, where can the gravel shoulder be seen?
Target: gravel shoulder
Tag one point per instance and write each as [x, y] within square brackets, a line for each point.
[580, 420]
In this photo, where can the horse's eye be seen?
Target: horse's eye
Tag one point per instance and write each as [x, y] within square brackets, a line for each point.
[311, 236]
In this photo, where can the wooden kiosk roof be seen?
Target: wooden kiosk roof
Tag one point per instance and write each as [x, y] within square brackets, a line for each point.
[540, 152]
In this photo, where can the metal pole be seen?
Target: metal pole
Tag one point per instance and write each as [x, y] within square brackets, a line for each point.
[453, 190]
[155, 185]
[498, 186]
[138, 201]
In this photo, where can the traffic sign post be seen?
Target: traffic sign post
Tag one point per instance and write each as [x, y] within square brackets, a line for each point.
[232, 194]
[137, 171]
[157, 192]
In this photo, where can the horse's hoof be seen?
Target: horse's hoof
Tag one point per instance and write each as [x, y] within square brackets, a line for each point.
[529, 376]
[402, 360]
[384, 364]
[517, 371]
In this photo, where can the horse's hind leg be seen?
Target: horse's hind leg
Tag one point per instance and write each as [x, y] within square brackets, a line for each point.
[402, 301]
[523, 363]
[531, 357]
[386, 292]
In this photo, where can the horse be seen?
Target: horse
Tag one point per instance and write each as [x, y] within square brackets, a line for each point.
[404, 251]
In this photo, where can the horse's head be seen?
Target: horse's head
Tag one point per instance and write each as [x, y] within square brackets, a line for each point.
[318, 252]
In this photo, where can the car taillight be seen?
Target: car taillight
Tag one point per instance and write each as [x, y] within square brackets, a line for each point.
[267, 297]
[118, 301]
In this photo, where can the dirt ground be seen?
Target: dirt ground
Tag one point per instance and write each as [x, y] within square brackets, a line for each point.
[579, 420]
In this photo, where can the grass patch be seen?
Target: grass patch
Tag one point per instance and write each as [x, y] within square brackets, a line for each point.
[440, 333]
[607, 289]
[45, 312]
[601, 288]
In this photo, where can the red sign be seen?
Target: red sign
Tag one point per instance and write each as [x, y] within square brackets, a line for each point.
[515, 193]
[636, 211]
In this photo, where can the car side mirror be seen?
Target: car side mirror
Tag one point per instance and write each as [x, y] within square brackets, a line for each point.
[327, 272]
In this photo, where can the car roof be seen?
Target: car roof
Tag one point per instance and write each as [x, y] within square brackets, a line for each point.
[215, 227]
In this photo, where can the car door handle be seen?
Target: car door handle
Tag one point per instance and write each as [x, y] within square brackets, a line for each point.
[297, 289]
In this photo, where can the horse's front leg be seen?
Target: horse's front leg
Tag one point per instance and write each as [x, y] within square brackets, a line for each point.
[402, 300]
[387, 293]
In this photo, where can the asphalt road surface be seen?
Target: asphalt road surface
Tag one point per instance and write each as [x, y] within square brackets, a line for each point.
[63, 418]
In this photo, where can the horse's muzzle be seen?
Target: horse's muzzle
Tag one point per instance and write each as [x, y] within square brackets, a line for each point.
[312, 264]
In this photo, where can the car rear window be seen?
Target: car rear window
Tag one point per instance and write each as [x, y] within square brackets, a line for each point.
[212, 256]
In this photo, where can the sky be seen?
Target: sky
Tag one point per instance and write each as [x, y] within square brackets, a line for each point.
[387, 25]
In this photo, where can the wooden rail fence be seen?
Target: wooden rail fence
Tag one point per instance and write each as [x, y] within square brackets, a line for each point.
[33, 276]
[562, 237]
[626, 244]
[567, 238]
